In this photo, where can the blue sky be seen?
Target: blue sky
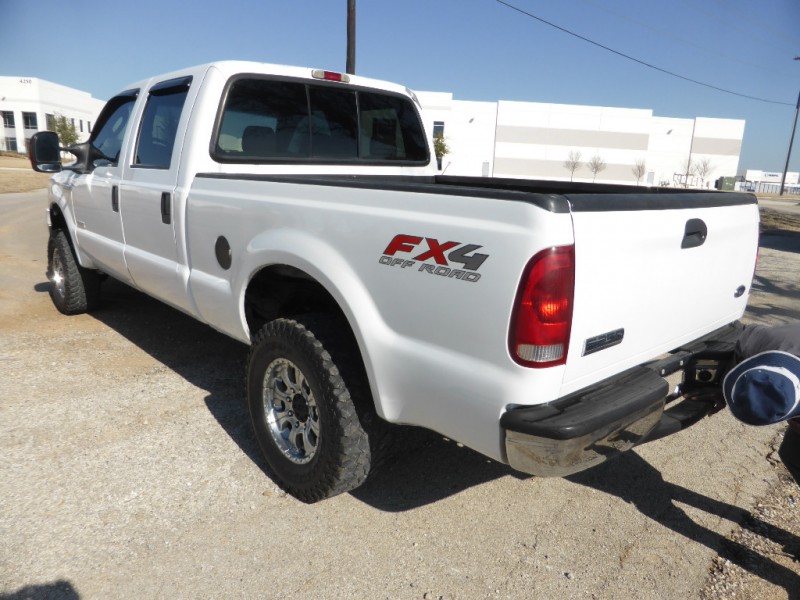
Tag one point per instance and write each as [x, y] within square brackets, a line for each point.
[477, 49]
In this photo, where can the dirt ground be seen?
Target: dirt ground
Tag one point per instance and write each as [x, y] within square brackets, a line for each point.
[16, 175]
[129, 470]
[775, 222]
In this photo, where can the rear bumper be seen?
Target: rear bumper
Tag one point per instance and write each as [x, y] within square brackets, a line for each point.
[592, 425]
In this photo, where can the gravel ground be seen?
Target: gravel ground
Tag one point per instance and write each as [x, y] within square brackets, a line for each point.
[129, 470]
[772, 529]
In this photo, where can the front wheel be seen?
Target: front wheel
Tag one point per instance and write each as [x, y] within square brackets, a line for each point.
[73, 289]
[309, 408]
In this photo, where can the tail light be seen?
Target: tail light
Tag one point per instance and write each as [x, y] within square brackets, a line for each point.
[542, 317]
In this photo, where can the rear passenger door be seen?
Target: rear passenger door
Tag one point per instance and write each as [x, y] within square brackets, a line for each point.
[149, 193]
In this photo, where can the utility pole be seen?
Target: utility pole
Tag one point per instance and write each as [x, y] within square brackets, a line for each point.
[351, 37]
[791, 141]
[689, 162]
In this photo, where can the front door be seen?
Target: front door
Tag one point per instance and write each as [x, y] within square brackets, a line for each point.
[96, 195]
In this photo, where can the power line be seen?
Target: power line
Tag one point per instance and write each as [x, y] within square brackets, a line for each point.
[641, 62]
[765, 38]
[598, 4]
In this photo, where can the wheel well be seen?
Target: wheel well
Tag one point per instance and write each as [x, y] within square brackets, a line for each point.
[282, 291]
[57, 220]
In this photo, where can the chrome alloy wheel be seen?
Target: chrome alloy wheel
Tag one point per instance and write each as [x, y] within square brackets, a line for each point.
[291, 411]
[57, 275]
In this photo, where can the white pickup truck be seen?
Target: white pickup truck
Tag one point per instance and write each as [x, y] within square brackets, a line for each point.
[300, 211]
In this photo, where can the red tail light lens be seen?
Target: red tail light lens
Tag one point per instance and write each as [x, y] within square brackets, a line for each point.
[542, 317]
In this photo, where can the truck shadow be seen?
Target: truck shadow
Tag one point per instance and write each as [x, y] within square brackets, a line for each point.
[762, 284]
[635, 481]
[781, 239]
[202, 356]
[422, 467]
[58, 590]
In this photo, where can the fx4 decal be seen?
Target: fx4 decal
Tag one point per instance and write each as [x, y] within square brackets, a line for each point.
[434, 257]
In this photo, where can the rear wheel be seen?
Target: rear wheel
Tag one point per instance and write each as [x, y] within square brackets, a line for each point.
[309, 407]
[73, 289]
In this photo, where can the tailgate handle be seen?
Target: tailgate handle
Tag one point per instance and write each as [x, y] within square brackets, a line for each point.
[694, 234]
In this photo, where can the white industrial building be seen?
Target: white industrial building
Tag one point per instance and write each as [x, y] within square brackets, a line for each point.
[28, 105]
[533, 140]
[769, 182]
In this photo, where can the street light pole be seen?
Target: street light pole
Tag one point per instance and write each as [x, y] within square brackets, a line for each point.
[791, 141]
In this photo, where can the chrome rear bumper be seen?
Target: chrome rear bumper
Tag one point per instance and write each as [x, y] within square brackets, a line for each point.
[592, 425]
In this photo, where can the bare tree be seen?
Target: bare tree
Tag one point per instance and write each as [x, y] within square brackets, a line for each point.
[689, 171]
[702, 168]
[573, 163]
[639, 169]
[596, 165]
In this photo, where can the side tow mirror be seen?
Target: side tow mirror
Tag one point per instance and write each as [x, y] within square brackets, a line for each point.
[44, 152]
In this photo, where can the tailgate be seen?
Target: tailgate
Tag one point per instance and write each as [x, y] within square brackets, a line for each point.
[652, 272]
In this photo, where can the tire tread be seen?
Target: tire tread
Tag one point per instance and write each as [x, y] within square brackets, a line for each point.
[81, 286]
[352, 453]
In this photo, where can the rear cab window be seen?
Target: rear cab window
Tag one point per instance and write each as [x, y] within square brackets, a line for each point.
[275, 120]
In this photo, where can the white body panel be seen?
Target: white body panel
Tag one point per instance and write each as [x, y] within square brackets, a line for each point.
[99, 228]
[632, 274]
[436, 348]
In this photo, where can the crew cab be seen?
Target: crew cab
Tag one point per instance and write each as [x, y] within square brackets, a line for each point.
[301, 212]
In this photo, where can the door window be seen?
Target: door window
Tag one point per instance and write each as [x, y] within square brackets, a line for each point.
[110, 129]
[159, 125]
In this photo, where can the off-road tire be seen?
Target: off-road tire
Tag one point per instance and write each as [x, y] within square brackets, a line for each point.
[333, 450]
[73, 289]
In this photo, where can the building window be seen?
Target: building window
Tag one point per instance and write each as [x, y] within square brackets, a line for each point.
[438, 133]
[30, 121]
[51, 122]
[81, 122]
[11, 144]
[8, 119]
